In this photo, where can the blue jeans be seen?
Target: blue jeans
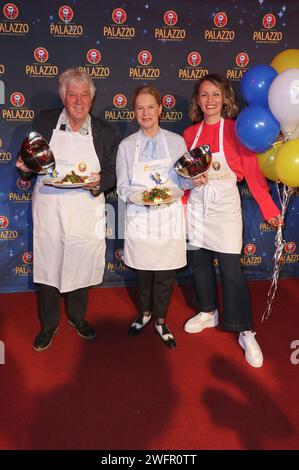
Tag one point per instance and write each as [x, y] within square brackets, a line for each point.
[237, 315]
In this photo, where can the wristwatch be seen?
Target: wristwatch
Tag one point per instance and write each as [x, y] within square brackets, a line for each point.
[95, 191]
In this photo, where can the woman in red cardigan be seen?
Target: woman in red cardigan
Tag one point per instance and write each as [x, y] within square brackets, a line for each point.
[214, 214]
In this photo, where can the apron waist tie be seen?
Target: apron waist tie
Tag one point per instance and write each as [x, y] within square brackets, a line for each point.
[209, 197]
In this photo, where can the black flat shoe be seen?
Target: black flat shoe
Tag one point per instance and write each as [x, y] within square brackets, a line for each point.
[165, 334]
[44, 339]
[138, 324]
[84, 329]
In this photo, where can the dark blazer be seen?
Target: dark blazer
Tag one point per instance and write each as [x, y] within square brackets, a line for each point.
[105, 143]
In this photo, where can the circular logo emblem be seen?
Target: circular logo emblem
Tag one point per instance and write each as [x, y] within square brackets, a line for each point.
[82, 167]
[27, 257]
[23, 184]
[17, 99]
[216, 166]
[119, 16]
[242, 59]
[93, 56]
[10, 11]
[41, 54]
[168, 101]
[290, 247]
[145, 58]
[65, 13]
[269, 21]
[170, 18]
[119, 254]
[220, 19]
[3, 221]
[194, 59]
[250, 249]
[119, 100]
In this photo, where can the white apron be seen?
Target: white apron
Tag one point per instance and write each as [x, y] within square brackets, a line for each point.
[155, 237]
[214, 217]
[69, 224]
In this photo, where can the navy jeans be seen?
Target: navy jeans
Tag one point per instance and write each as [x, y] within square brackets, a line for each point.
[237, 315]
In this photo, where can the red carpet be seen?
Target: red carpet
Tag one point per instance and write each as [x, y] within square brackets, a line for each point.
[120, 392]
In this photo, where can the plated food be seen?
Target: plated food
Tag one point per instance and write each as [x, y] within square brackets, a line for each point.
[69, 181]
[73, 178]
[157, 195]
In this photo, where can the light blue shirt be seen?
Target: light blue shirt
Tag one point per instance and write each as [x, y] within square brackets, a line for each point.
[150, 149]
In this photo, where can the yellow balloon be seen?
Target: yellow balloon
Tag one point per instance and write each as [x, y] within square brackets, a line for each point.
[287, 163]
[288, 59]
[267, 160]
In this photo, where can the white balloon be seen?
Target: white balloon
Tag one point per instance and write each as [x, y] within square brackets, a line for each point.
[283, 99]
[292, 135]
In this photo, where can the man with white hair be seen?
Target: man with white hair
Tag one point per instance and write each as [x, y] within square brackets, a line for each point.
[69, 224]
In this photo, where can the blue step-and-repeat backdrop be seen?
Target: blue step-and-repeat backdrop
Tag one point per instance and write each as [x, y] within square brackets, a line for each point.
[122, 45]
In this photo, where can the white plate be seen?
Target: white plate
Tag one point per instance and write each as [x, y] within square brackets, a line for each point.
[136, 197]
[55, 182]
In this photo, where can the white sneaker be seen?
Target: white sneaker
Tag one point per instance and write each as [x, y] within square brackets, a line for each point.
[253, 353]
[201, 321]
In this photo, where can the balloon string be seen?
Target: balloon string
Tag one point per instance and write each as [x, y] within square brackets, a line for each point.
[287, 135]
[279, 242]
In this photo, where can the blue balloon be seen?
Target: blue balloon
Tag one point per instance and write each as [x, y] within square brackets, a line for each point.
[256, 82]
[257, 128]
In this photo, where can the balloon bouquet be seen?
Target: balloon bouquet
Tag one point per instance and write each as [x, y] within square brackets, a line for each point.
[272, 94]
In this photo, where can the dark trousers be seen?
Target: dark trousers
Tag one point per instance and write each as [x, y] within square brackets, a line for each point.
[237, 315]
[155, 289]
[49, 305]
